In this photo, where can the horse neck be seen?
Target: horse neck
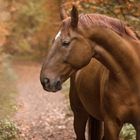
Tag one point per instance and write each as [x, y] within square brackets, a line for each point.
[119, 56]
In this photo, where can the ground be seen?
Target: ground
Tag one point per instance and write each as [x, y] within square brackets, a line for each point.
[40, 115]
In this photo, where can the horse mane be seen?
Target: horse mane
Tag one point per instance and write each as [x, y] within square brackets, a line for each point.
[114, 24]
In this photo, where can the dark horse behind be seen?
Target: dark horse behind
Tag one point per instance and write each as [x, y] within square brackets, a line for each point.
[102, 57]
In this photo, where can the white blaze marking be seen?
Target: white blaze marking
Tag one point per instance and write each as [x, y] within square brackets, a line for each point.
[58, 35]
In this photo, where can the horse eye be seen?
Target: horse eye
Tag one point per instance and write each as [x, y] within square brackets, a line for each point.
[65, 44]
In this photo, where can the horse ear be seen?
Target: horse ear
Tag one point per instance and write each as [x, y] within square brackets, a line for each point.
[74, 17]
[63, 14]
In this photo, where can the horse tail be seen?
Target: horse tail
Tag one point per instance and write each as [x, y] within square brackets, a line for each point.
[95, 129]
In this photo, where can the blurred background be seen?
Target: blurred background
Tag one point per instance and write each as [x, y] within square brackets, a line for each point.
[26, 30]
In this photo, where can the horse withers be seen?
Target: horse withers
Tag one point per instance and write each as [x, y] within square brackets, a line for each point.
[109, 90]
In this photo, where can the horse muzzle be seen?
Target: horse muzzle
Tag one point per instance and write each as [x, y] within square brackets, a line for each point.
[51, 85]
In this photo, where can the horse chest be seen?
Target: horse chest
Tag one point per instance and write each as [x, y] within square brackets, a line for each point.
[90, 100]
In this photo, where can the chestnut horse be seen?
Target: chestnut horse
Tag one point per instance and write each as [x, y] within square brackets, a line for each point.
[114, 95]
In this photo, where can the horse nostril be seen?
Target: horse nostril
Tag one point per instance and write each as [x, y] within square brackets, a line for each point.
[51, 85]
[46, 81]
[58, 85]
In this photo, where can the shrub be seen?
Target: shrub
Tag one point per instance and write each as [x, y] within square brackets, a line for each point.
[128, 132]
[8, 130]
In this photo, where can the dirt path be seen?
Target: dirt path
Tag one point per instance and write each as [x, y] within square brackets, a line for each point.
[40, 115]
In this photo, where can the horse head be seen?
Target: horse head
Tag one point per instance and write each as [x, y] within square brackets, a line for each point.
[69, 52]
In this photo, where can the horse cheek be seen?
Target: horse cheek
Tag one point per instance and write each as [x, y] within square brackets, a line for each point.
[80, 56]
